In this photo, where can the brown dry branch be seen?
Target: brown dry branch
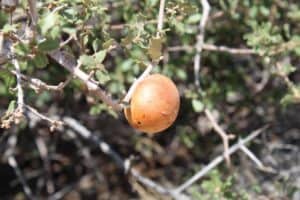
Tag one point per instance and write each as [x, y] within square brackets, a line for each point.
[33, 13]
[200, 40]
[20, 93]
[43, 151]
[219, 160]
[136, 82]
[252, 156]
[69, 63]
[64, 43]
[17, 114]
[105, 148]
[85, 152]
[212, 47]
[38, 85]
[9, 154]
[13, 163]
[54, 124]
[225, 137]
[160, 18]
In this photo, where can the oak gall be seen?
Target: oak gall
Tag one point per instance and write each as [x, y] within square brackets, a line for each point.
[154, 104]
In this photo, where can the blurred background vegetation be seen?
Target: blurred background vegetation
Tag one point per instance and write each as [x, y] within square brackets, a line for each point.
[255, 82]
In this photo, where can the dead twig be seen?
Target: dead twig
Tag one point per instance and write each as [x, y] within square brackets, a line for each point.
[13, 163]
[70, 64]
[33, 12]
[38, 85]
[212, 47]
[85, 152]
[54, 123]
[9, 154]
[19, 86]
[17, 114]
[160, 18]
[105, 148]
[136, 82]
[200, 40]
[225, 137]
[218, 160]
[252, 156]
[42, 148]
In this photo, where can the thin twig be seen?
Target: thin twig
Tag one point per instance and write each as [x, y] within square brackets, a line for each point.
[212, 47]
[200, 40]
[3, 55]
[33, 12]
[218, 160]
[13, 163]
[42, 148]
[136, 82]
[251, 155]
[64, 43]
[63, 192]
[54, 123]
[160, 22]
[12, 142]
[38, 85]
[19, 86]
[85, 152]
[160, 18]
[70, 64]
[105, 148]
[225, 137]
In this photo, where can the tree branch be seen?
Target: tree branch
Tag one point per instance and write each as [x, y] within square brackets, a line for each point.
[106, 149]
[33, 12]
[251, 155]
[70, 64]
[200, 40]
[19, 85]
[225, 137]
[136, 82]
[212, 47]
[219, 160]
[160, 19]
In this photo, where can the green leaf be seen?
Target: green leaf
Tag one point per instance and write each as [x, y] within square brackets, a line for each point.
[287, 69]
[193, 19]
[49, 21]
[102, 76]
[22, 49]
[3, 19]
[127, 40]
[55, 32]
[48, 44]
[151, 3]
[126, 65]
[9, 28]
[198, 106]
[100, 56]
[69, 30]
[108, 44]
[155, 48]
[96, 44]
[40, 60]
[87, 60]
[85, 39]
